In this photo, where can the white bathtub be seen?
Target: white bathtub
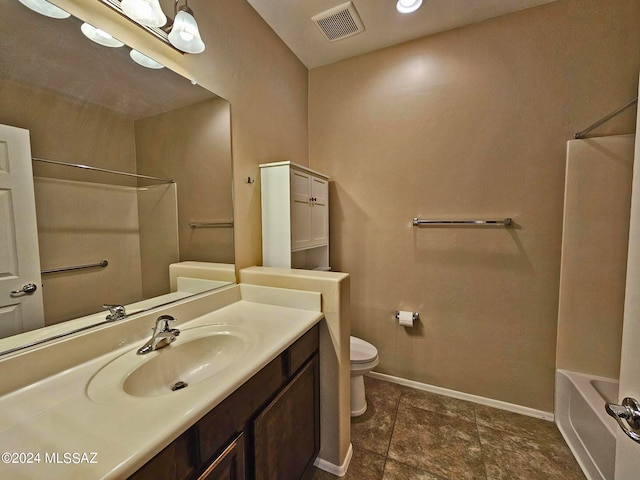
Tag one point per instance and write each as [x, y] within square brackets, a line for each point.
[583, 422]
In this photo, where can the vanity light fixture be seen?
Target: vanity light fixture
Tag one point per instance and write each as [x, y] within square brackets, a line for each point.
[45, 8]
[181, 32]
[408, 6]
[185, 35]
[145, 12]
[142, 59]
[100, 36]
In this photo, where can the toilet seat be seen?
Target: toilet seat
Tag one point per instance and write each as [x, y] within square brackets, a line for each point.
[364, 358]
[361, 351]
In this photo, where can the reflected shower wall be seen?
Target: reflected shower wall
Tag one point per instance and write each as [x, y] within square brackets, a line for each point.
[197, 156]
[85, 222]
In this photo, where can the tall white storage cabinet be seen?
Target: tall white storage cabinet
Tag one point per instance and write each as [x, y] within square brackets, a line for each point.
[295, 216]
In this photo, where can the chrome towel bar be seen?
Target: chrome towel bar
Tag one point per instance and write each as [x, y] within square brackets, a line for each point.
[442, 223]
[100, 264]
[211, 224]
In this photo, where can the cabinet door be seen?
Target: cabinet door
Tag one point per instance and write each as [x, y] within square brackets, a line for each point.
[175, 462]
[230, 464]
[319, 211]
[287, 432]
[300, 210]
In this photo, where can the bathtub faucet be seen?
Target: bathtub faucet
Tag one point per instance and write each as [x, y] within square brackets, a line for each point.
[629, 413]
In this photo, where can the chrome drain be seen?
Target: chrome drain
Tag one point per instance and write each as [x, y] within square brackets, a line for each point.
[179, 386]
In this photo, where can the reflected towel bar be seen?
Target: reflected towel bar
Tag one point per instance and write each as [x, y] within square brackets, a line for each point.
[211, 224]
[101, 264]
[440, 223]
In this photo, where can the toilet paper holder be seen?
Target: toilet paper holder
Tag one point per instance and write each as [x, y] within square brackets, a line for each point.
[415, 315]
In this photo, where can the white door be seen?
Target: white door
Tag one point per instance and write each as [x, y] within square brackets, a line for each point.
[20, 285]
[300, 210]
[319, 211]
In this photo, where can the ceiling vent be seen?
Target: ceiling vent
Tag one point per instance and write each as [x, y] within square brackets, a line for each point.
[339, 22]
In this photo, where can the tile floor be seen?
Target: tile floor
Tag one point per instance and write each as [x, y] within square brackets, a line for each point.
[408, 434]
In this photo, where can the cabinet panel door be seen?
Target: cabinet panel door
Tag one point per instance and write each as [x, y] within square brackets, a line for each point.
[230, 464]
[175, 462]
[287, 432]
[319, 211]
[300, 210]
[218, 426]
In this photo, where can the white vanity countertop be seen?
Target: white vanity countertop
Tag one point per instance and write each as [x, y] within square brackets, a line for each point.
[65, 434]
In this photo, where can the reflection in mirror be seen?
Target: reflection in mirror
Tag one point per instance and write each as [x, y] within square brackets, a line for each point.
[87, 104]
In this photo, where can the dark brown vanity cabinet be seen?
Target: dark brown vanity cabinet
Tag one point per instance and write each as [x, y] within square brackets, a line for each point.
[268, 429]
[286, 433]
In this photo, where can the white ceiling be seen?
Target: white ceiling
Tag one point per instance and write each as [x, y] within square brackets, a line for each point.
[384, 25]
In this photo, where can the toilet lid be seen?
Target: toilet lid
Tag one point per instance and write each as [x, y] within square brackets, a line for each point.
[361, 351]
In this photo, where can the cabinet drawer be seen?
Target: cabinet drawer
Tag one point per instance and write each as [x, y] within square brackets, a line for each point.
[228, 418]
[298, 353]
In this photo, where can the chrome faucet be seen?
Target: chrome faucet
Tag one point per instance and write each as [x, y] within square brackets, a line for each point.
[116, 312]
[162, 335]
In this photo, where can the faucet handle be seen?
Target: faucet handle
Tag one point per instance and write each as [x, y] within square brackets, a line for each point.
[116, 312]
[164, 319]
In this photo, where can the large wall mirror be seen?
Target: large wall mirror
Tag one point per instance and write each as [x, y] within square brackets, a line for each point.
[93, 105]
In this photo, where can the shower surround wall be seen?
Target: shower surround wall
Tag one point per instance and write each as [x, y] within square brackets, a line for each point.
[470, 123]
[594, 254]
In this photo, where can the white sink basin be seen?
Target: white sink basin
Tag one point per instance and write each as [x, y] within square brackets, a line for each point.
[199, 354]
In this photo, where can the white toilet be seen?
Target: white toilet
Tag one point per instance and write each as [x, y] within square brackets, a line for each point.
[364, 358]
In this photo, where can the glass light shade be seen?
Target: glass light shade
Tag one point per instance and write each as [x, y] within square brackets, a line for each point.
[142, 59]
[145, 12]
[45, 8]
[408, 6]
[99, 36]
[184, 34]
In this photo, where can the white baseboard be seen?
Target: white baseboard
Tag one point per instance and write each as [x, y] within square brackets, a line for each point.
[338, 470]
[510, 407]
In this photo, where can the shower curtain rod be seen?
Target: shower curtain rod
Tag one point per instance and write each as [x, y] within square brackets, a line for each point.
[605, 119]
[103, 170]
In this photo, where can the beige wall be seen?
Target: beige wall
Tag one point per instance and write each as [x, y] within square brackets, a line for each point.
[471, 123]
[54, 121]
[595, 239]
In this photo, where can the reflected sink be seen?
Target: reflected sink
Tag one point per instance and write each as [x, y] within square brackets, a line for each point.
[198, 354]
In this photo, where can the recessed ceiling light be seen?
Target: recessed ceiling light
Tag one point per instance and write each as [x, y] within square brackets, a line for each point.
[408, 6]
